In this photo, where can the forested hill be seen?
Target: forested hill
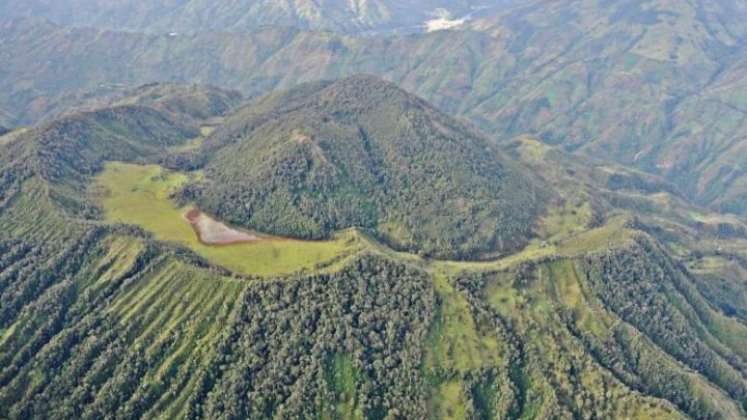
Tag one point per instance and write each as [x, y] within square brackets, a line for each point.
[361, 152]
[191, 104]
[67, 151]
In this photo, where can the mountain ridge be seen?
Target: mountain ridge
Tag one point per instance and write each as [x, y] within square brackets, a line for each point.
[485, 71]
[242, 16]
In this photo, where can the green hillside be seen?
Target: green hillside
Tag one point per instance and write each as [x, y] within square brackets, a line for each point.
[322, 209]
[188, 104]
[628, 302]
[140, 329]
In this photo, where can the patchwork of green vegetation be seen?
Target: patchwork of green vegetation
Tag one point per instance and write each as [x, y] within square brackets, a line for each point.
[549, 310]
[511, 338]
[606, 311]
[457, 343]
[180, 308]
[456, 346]
[447, 402]
[140, 195]
[343, 378]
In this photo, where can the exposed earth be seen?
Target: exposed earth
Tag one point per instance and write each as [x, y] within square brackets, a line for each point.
[213, 232]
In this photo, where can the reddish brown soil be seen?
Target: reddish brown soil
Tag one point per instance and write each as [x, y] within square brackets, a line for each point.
[193, 215]
[214, 233]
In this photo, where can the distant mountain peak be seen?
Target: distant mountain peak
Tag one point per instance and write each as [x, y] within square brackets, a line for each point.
[190, 16]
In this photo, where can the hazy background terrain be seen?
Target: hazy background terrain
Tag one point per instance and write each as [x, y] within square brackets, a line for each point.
[654, 84]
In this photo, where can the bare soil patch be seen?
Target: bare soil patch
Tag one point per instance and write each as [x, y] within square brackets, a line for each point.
[213, 232]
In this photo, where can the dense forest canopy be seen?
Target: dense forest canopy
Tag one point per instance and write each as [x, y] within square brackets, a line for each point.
[603, 313]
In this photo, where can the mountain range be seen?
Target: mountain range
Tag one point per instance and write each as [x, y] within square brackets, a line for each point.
[326, 210]
[661, 89]
[354, 16]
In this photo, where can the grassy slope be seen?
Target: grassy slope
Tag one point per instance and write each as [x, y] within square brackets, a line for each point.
[569, 233]
[459, 346]
[163, 309]
[139, 195]
[343, 377]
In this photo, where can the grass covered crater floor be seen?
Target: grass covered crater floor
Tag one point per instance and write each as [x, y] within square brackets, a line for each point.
[140, 195]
